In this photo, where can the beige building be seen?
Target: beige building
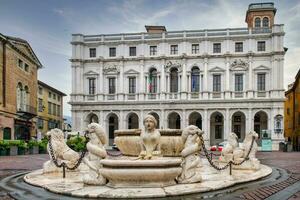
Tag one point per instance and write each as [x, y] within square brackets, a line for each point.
[50, 108]
[18, 88]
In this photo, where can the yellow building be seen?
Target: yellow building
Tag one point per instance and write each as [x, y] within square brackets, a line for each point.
[18, 88]
[50, 108]
[292, 114]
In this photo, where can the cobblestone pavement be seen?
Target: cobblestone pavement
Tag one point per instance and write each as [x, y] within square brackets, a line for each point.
[289, 161]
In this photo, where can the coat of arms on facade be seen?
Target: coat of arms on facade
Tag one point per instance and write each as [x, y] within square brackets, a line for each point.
[171, 64]
[110, 69]
[239, 64]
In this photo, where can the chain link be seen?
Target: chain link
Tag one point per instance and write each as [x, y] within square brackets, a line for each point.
[230, 162]
[63, 164]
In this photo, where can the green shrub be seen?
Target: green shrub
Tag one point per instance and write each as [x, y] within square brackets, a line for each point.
[43, 145]
[4, 145]
[33, 143]
[77, 143]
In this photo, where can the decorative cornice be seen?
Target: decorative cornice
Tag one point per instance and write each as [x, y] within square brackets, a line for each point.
[171, 64]
[239, 65]
[111, 69]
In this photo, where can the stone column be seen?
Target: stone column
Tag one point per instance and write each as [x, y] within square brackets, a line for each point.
[101, 119]
[163, 80]
[226, 124]
[206, 127]
[120, 91]
[122, 120]
[205, 86]
[162, 120]
[249, 121]
[141, 125]
[183, 80]
[227, 79]
[101, 82]
[250, 83]
[183, 121]
[142, 84]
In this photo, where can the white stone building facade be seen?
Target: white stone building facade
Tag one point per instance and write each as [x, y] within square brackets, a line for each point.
[221, 80]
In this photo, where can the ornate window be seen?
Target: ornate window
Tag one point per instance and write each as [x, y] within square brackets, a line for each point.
[195, 79]
[257, 22]
[174, 80]
[19, 96]
[217, 83]
[92, 52]
[132, 85]
[174, 50]
[152, 85]
[153, 50]
[261, 46]
[112, 85]
[265, 22]
[238, 82]
[238, 47]
[217, 47]
[195, 48]
[112, 52]
[91, 86]
[132, 51]
[261, 82]
[40, 105]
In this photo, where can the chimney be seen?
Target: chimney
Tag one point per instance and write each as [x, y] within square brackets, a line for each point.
[155, 29]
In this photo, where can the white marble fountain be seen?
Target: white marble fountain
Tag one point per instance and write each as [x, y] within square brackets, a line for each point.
[154, 163]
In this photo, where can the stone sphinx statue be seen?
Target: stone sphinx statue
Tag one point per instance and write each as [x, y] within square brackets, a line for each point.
[61, 151]
[96, 152]
[150, 139]
[191, 164]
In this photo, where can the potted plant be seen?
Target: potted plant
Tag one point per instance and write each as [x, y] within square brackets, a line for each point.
[22, 147]
[77, 143]
[33, 147]
[43, 146]
[13, 147]
[4, 148]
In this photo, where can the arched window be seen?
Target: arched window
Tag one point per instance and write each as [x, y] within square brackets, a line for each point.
[257, 22]
[195, 79]
[265, 22]
[19, 95]
[25, 96]
[174, 80]
[152, 81]
[133, 121]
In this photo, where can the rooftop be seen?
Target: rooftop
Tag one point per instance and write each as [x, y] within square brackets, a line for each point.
[51, 88]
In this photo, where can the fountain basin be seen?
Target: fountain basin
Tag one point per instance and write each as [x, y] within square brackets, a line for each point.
[128, 141]
[128, 172]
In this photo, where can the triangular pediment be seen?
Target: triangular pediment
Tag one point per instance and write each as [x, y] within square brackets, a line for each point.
[91, 73]
[261, 67]
[238, 68]
[131, 71]
[216, 69]
[24, 47]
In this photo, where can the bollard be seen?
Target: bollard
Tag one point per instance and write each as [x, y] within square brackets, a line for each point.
[64, 170]
[230, 168]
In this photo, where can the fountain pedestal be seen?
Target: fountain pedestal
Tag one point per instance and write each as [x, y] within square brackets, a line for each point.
[130, 172]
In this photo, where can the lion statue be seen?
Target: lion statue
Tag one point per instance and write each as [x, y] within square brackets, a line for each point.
[96, 152]
[61, 151]
[191, 163]
[247, 144]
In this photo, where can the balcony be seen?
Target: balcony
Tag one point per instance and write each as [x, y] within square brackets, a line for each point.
[27, 111]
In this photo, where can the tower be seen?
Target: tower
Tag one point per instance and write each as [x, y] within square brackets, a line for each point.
[260, 15]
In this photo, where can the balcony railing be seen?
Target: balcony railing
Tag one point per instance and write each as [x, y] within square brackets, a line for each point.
[24, 108]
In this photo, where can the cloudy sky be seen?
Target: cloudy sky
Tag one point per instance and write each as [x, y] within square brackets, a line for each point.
[48, 25]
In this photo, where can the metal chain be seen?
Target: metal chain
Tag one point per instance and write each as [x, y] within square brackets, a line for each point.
[63, 164]
[230, 162]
